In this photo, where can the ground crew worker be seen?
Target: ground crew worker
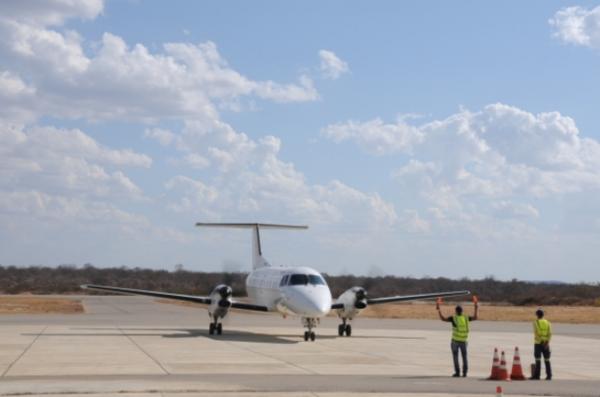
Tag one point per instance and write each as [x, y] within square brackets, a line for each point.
[460, 334]
[542, 332]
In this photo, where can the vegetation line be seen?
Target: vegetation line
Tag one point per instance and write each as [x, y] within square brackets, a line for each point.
[67, 279]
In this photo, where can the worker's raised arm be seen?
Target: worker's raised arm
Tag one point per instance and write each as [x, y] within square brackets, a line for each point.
[476, 313]
[446, 319]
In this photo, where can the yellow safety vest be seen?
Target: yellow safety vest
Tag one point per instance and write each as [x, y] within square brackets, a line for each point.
[542, 330]
[460, 328]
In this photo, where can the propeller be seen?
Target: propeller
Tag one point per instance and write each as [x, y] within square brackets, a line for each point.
[225, 292]
[360, 298]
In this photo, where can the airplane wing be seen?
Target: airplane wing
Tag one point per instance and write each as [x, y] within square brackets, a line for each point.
[402, 298]
[167, 295]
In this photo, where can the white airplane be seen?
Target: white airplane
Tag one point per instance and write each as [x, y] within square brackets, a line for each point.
[295, 291]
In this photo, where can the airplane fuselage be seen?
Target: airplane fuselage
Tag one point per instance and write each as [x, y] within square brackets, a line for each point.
[300, 291]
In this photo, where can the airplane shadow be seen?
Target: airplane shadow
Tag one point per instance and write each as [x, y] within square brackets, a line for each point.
[229, 336]
[387, 337]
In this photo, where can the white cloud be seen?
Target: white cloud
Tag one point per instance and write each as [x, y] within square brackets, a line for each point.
[50, 12]
[162, 136]
[506, 209]
[578, 25]
[194, 195]
[375, 136]
[332, 67]
[64, 161]
[16, 98]
[480, 171]
[251, 180]
[121, 82]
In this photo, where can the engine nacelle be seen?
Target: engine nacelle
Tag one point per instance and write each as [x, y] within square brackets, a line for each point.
[220, 301]
[354, 300]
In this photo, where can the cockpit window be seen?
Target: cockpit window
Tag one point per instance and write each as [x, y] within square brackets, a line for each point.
[316, 280]
[305, 279]
[298, 279]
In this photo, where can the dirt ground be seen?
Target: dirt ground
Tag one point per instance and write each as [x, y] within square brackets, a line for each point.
[489, 312]
[39, 304]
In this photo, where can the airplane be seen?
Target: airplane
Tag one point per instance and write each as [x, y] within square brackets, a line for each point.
[293, 291]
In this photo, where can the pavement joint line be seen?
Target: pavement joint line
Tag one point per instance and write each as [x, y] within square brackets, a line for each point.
[307, 370]
[23, 352]
[114, 306]
[143, 351]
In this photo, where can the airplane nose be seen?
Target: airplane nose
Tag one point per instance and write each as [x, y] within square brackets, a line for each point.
[310, 304]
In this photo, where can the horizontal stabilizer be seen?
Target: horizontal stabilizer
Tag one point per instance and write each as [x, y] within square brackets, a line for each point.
[251, 225]
[258, 260]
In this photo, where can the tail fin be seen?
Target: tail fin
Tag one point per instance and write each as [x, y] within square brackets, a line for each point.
[257, 257]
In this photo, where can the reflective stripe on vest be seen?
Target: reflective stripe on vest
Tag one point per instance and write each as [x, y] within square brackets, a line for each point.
[542, 330]
[460, 328]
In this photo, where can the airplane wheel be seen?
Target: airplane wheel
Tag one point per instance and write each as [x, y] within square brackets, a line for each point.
[219, 329]
[341, 330]
[312, 336]
[306, 336]
[348, 330]
[211, 329]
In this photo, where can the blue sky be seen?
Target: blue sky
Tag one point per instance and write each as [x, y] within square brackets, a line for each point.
[425, 138]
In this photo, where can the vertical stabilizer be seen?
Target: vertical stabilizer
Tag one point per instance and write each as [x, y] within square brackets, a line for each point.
[258, 259]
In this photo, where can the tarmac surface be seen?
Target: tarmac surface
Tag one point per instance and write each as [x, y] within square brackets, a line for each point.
[135, 346]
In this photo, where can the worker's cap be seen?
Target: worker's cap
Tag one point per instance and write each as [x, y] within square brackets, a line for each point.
[539, 313]
[458, 309]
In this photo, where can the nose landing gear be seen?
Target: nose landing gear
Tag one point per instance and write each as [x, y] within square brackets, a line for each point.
[344, 328]
[215, 327]
[309, 323]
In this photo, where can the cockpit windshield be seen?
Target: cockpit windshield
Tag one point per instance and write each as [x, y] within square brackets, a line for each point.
[315, 280]
[305, 279]
[298, 279]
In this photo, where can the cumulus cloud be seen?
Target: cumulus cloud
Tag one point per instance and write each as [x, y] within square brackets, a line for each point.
[475, 169]
[252, 180]
[50, 12]
[64, 161]
[118, 81]
[375, 136]
[506, 209]
[162, 136]
[332, 67]
[578, 26]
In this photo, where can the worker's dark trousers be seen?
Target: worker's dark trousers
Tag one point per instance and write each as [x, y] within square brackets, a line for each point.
[462, 346]
[539, 350]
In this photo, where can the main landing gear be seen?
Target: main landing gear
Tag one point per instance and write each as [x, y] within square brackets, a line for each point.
[215, 326]
[309, 323]
[344, 328]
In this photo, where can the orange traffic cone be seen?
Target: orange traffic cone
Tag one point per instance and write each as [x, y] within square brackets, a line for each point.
[499, 392]
[503, 372]
[517, 371]
[495, 366]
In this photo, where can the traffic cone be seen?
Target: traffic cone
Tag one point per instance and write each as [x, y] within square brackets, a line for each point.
[503, 372]
[516, 372]
[499, 392]
[495, 366]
